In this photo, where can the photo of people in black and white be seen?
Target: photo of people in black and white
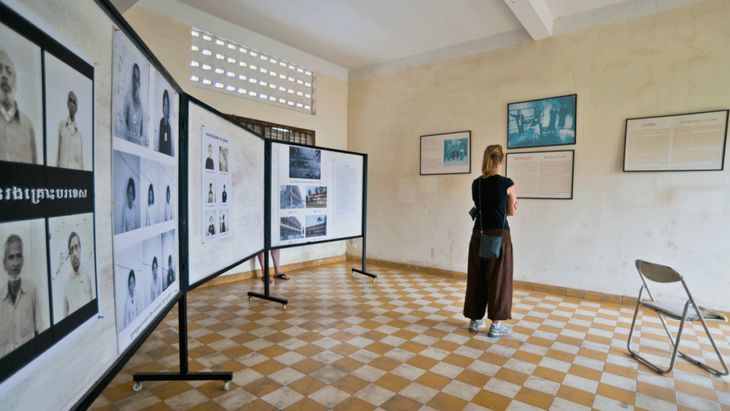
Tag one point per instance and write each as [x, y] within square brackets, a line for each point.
[316, 225]
[545, 122]
[209, 187]
[153, 279]
[131, 79]
[169, 261]
[290, 197]
[305, 163]
[316, 197]
[168, 182]
[127, 192]
[224, 221]
[224, 193]
[210, 217]
[164, 114]
[153, 194]
[69, 111]
[222, 159]
[290, 228]
[73, 279]
[24, 301]
[456, 151]
[209, 163]
[128, 285]
[21, 101]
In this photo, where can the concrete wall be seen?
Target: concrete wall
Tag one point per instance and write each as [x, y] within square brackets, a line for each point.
[170, 41]
[666, 63]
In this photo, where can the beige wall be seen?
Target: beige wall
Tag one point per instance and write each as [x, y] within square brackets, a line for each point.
[170, 41]
[672, 62]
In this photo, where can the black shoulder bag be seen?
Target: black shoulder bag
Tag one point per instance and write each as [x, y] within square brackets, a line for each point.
[490, 245]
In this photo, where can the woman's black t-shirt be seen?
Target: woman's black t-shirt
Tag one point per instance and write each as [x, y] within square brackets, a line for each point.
[494, 201]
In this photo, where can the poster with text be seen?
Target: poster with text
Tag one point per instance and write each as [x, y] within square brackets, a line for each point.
[304, 196]
[144, 182]
[545, 175]
[448, 153]
[48, 283]
[216, 193]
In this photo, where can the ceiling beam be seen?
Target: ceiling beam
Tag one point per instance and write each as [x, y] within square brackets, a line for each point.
[534, 15]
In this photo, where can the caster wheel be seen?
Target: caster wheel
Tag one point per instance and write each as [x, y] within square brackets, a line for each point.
[137, 387]
[227, 386]
[249, 298]
[284, 306]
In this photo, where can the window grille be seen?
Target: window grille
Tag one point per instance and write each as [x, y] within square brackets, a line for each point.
[277, 131]
[228, 67]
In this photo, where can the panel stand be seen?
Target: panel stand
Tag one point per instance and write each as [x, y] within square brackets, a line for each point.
[266, 295]
[364, 220]
[184, 374]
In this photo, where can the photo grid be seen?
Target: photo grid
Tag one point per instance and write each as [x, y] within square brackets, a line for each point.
[216, 190]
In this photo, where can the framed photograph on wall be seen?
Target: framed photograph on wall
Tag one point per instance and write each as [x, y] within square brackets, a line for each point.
[448, 153]
[681, 142]
[542, 123]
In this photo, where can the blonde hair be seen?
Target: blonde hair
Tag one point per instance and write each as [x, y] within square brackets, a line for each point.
[493, 155]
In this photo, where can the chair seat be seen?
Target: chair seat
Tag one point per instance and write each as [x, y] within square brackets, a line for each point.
[675, 311]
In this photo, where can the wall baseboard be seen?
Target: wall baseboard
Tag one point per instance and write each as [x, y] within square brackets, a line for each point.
[257, 273]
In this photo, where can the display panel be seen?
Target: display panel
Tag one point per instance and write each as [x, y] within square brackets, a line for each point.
[316, 194]
[144, 190]
[685, 142]
[226, 192]
[541, 123]
[544, 174]
[448, 153]
[48, 284]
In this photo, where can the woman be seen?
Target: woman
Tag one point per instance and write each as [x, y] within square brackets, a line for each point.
[489, 282]
[150, 215]
[130, 213]
[165, 135]
[132, 306]
[168, 206]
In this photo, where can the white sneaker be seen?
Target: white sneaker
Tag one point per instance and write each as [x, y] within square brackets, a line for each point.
[476, 325]
[499, 330]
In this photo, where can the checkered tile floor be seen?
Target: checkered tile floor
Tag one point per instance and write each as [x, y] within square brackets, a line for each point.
[401, 343]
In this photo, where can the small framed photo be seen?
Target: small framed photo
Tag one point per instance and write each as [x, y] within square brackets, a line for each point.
[448, 153]
[542, 123]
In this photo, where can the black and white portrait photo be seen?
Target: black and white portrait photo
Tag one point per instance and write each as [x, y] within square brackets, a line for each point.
[24, 301]
[21, 101]
[290, 228]
[224, 191]
[224, 221]
[209, 162]
[153, 194]
[222, 159]
[69, 114]
[128, 285]
[209, 190]
[131, 78]
[168, 183]
[316, 225]
[73, 279]
[164, 116]
[305, 163]
[151, 269]
[210, 223]
[127, 192]
[169, 259]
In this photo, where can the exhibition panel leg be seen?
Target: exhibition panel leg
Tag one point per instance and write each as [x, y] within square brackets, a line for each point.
[364, 221]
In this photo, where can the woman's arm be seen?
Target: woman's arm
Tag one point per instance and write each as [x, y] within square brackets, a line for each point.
[511, 201]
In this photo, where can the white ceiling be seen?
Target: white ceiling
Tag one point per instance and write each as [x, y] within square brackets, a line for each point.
[368, 37]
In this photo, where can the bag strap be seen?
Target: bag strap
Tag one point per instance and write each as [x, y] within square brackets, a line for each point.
[481, 216]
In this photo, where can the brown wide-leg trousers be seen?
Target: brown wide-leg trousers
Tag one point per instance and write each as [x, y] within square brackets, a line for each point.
[489, 282]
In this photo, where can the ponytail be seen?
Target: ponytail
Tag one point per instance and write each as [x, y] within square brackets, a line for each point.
[493, 155]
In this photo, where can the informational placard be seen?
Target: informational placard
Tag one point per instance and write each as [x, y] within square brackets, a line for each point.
[316, 194]
[448, 153]
[684, 142]
[226, 167]
[48, 283]
[544, 174]
[216, 192]
[145, 117]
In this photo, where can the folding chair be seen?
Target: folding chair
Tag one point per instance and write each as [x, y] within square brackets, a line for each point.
[677, 311]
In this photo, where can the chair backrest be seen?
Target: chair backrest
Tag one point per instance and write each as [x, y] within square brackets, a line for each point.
[657, 273]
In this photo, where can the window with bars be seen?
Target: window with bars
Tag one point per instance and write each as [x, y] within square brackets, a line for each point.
[277, 131]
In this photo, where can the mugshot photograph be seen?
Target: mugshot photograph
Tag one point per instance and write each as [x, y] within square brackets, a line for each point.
[131, 83]
[168, 183]
[128, 285]
[167, 264]
[222, 159]
[69, 114]
[209, 163]
[152, 255]
[209, 186]
[24, 301]
[164, 114]
[224, 221]
[210, 227]
[153, 195]
[21, 101]
[73, 283]
[127, 192]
